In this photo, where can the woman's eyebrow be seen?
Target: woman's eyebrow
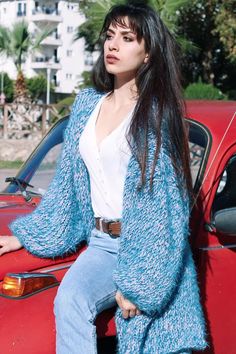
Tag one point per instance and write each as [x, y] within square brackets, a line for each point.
[122, 32]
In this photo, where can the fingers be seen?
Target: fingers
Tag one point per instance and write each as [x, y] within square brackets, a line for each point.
[132, 313]
[128, 309]
[125, 313]
[9, 243]
[138, 312]
[118, 299]
[3, 245]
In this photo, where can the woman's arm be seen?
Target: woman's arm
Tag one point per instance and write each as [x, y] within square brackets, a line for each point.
[155, 242]
[51, 230]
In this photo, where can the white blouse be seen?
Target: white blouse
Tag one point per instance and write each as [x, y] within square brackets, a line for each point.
[107, 165]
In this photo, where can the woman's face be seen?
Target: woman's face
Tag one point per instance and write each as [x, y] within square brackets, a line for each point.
[123, 54]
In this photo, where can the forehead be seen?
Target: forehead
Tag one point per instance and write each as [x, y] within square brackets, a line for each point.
[122, 22]
[121, 29]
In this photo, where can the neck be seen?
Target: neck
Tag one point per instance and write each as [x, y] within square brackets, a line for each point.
[125, 92]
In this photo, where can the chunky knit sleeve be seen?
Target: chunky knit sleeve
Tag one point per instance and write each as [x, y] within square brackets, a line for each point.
[154, 240]
[53, 228]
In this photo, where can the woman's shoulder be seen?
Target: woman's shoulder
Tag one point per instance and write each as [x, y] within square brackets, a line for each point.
[83, 105]
[87, 96]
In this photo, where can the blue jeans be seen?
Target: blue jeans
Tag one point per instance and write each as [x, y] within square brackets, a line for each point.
[86, 290]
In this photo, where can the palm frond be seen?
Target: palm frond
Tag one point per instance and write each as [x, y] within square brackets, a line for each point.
[37, 41]
[4, 41]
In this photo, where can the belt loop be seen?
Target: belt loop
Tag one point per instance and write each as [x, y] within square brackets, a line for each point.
[101, 224]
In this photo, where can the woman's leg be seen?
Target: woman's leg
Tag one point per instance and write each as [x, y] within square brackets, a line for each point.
[86, 290]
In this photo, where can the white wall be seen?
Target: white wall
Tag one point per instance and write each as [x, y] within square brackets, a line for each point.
[70, 54]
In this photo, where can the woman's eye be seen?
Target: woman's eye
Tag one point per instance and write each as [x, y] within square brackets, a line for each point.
[127, 39]
[108, 36]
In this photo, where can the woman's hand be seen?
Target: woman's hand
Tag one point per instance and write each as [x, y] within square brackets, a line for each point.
[8, 244]
[127, 307]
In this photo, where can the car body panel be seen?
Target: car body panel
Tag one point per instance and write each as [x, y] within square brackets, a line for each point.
[37, 310]
[214, 253]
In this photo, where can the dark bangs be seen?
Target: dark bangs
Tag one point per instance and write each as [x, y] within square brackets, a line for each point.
[137, 22]
[117, 17]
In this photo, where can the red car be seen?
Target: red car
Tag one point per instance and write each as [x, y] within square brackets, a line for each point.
[26, 299]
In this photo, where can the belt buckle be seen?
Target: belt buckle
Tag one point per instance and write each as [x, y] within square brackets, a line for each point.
[108, 224]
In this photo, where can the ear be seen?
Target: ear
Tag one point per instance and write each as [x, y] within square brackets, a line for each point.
[146, 58]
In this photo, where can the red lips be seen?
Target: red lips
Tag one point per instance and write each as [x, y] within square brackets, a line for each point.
[110, 58]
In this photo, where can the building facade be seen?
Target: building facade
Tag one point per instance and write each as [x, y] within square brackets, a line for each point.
[60, 57]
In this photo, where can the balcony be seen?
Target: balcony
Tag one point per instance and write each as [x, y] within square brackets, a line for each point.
[53, 40]
[45, 14]
[45, 63]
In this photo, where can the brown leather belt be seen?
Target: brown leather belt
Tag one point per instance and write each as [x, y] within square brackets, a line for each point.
[111, 227]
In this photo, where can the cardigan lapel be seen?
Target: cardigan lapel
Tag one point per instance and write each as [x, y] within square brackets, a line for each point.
[81, 176]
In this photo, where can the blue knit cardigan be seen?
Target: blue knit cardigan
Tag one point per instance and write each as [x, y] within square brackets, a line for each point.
[155, 268]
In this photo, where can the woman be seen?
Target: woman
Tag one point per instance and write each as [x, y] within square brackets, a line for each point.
[123, 184]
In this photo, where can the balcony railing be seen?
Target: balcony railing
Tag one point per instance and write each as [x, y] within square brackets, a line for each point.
[46, 10]
[50, 60]
[53, 40]
[46, 14]
[46, 62]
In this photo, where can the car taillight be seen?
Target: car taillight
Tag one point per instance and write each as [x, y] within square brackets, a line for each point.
[23, 284]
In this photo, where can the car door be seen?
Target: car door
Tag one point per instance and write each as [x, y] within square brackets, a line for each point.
[217, 263]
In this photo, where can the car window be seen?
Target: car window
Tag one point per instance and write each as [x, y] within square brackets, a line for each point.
[40, 168]
[226, 193]
[46, 170]
[199, 142]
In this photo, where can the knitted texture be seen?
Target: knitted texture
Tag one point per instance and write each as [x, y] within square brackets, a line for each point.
[155, 268]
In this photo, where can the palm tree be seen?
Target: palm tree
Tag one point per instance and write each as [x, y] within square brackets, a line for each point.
[16, 44]
[95, 12]
[169, 11]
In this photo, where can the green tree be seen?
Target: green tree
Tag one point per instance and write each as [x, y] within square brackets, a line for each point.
[95, 12]
[86, 80]
[37, 86]
[16, 43]
[201, 91]
[211, 62]
[8, 87]
[226, 27]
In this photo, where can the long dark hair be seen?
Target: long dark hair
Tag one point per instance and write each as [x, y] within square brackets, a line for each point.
[159, 89]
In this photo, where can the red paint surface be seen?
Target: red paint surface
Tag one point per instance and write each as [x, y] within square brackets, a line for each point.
[27, 325]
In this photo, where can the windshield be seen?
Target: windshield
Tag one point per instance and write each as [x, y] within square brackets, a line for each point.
[40, 167]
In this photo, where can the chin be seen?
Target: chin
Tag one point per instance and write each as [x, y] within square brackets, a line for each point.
[112, 72]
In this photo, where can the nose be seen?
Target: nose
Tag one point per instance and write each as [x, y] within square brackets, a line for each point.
[113, 45]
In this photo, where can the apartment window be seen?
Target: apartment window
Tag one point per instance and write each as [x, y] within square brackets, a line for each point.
[55, 80]
[70, 7]
[69, 53]
[21, 9]
[68, 76]
[69, 29]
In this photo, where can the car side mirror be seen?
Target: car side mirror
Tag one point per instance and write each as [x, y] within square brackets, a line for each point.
[224, 221]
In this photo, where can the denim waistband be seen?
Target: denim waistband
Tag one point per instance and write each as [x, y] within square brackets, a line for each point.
[104, 241]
